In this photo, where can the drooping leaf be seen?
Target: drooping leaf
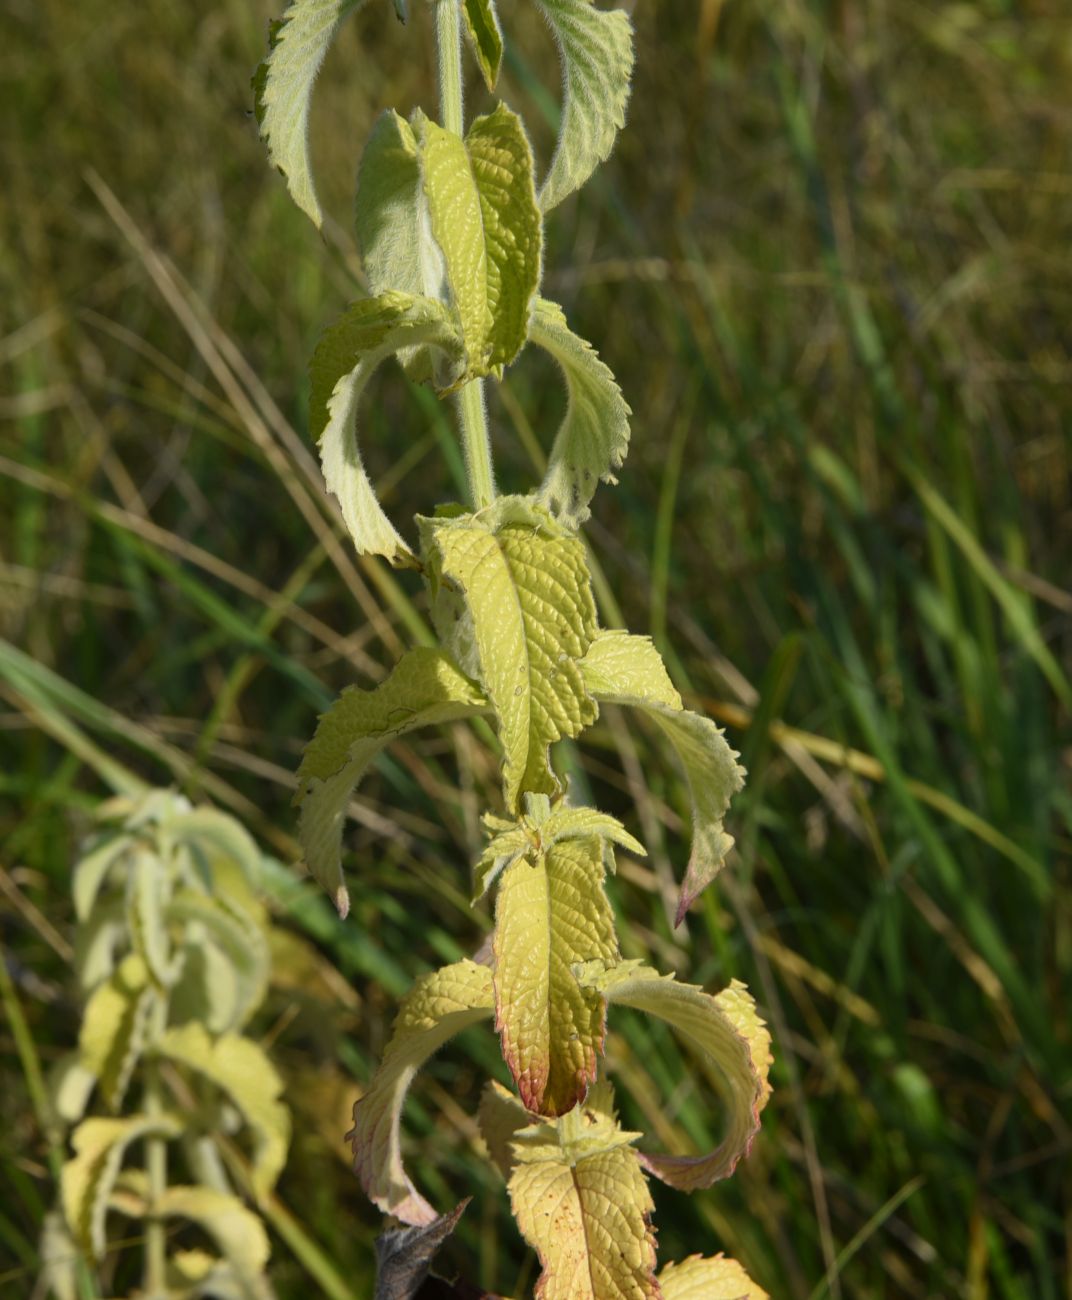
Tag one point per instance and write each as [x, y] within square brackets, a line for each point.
[92, 871]
[593, 438]
[87, 1180]
[425, 688]
[596, 48]
[624, 669]
[114, 1028]
[708, 1279]
[404, 1255]
[283, 88]
[552, 913]
[345, 359]
[146, 900]
[482, 206]
[485, 37]
[211, 834]
[98, 941]
[580, 1199]
[527, 591]
[242, 1071]
[440, 1005]
[728, 1039]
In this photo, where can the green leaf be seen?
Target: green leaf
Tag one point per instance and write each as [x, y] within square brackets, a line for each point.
[624, 669]
[730, 1042]
[551, 914]
[92, 871]
[485, 37]
[146, 900]
[593, 438]
[482, 205]
[211, 834]
[115, 1028]
[580, 1199]
[596, 48]
[440, 1005]
[527, 591]
[87, 1180]
[425, 688]
[283, 87]
[241, 1070]
[345, 359]
[708, 1279]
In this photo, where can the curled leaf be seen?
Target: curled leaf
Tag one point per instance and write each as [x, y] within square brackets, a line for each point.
[624, 669]
[115, 1028]
[424, 688]
[596, 48]
[485, 37]
[731, 1043]
[439, 1006]
[283, 88]
[345, 359]
[593, 438]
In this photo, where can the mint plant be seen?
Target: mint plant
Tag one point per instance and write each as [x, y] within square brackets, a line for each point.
[450, 223]
[172, 956]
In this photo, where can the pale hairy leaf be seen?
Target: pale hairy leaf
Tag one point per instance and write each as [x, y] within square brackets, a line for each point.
[216, 925]
[392, 219]
[501, 1117]
[283, 88]
[211, 834]
[728, 1039]
[242, 1071]
[345, 359]
[59, 1255]
[527, 590]
[624, 669]
[501, 851]
[440, 1005]
[70, 1086]
[482, 207]
[580, 1199]
[596, 48]
[718, 1278]
[87, 1180]
[552, 913]
[425, 688]
[92, 871]
[593, 438]
[238, 1233]
[485, 37]
[115, 1028]
[97, 942]
[147, 889]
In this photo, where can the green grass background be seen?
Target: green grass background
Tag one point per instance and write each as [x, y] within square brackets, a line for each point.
[829, 262]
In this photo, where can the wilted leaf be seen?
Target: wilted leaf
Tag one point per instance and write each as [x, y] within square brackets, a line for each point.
[404, 1255]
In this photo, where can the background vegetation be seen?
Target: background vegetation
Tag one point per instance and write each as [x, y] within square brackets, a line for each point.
[829, 264]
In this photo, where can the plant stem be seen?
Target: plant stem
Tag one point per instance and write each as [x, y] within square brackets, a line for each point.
[156, 1170]
[472, 413]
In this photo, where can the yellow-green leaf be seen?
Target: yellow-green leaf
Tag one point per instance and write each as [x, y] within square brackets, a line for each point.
[345, 359]
[439, 1006]
[242, 1071]
[580, 1199]
[425, 688]
[596, 47]
[114, 1028]
[87, 1179]
[708, 1279]
[485, 37]
[227, 952]
[482, 205]
[551, 914]
[501, 1117]
[238, 1232]
[283, 87]
[528, 593]
[730, 1042]
[624, 669]
[593, 438]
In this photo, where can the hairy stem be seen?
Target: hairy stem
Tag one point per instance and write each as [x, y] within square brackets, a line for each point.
[472, 413]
